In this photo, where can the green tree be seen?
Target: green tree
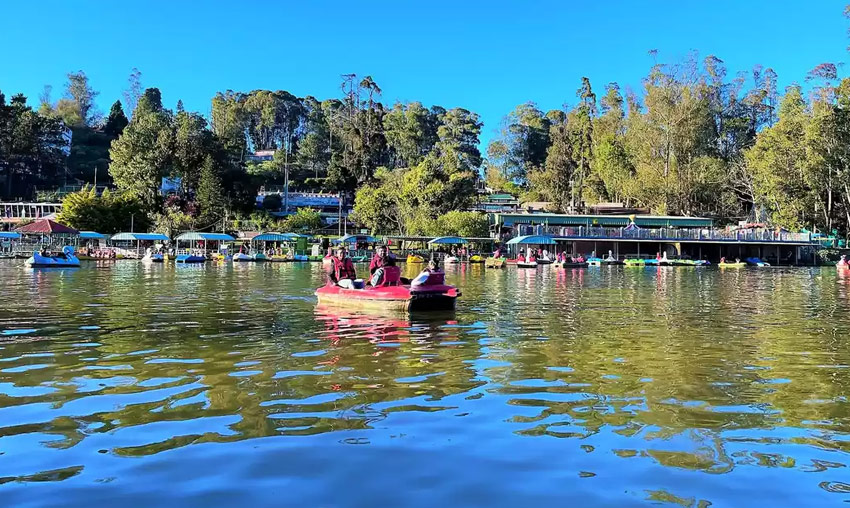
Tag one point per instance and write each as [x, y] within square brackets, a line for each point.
[272, 202]
[522, 143]
[304, 219]
[107, 213]
[116, 121]
[464, 224]
[143, 154]
[581, 128]
[210, 195]
[777, 164]
[31, 147]
[81, 97]
[611, 172]
[193, 143]
[407, 129]
[134, 90]
[555, 181]
[457, 132]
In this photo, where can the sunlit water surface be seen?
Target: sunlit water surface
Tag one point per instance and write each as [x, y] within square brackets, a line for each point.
[223, 385]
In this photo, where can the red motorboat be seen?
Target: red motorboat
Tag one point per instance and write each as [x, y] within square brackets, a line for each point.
[427, 292]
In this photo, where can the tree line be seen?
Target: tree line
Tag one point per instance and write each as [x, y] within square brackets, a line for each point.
[339, 145]
[691, 140]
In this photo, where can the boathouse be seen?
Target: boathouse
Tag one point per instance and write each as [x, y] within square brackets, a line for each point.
[647, 235]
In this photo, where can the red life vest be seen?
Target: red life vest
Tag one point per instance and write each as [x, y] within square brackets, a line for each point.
[343, 269]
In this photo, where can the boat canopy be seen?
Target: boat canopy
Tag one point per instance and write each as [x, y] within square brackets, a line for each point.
[91, 235]
[151, 237]
[277, 237]
[532, 240]
[356, 239]
[9, 235]
[448, 240]
[209, 237]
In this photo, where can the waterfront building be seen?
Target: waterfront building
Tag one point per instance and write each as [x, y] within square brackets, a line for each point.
[648, 235]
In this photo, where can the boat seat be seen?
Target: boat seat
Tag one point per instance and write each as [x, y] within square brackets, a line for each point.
[430, 279]
[392, 277]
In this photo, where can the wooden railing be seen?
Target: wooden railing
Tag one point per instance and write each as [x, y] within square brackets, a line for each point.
[676, 234]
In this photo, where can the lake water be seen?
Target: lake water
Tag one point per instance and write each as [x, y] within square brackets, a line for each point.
[129, 385]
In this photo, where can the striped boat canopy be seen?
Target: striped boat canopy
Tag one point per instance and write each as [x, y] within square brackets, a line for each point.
[277, 237]
[209, 237]
[448, 240]
[532, 240]
[356, 239]
[151, 237]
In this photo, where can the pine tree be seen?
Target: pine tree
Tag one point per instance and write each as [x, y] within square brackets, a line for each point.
[116, 121]
[210, 195]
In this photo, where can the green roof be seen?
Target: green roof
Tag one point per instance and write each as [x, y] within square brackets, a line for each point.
[558, 219]
[502, 197]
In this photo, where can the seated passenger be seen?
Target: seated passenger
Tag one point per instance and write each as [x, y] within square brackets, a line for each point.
[380, 260]
[341, 270]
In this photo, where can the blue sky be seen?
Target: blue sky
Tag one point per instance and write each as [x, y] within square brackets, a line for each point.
[487, 56]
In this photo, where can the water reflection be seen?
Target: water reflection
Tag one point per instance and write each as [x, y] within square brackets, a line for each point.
[615, 387]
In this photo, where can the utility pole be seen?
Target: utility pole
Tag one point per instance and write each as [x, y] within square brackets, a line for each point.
[132, 218]
[286, 181]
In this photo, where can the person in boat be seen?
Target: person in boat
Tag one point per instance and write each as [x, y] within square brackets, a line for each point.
[341, 270]
[723, 260]
[423, 276]
[520, 257]
[843, 260]
[381, 259]
[610, 256]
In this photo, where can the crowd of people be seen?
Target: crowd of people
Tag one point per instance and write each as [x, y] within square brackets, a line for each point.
[98, 253]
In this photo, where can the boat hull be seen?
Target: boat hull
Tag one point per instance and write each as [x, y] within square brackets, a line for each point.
[189, 259]
[393, 298]
[39, 261]
[526, 265]
[495, 263]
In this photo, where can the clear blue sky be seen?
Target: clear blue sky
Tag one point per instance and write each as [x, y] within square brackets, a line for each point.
[487, 56]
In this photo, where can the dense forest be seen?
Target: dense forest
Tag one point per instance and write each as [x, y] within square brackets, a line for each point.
[692, 140]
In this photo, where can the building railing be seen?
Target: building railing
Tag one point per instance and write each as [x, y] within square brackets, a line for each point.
[672, 234]
[21, 210]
